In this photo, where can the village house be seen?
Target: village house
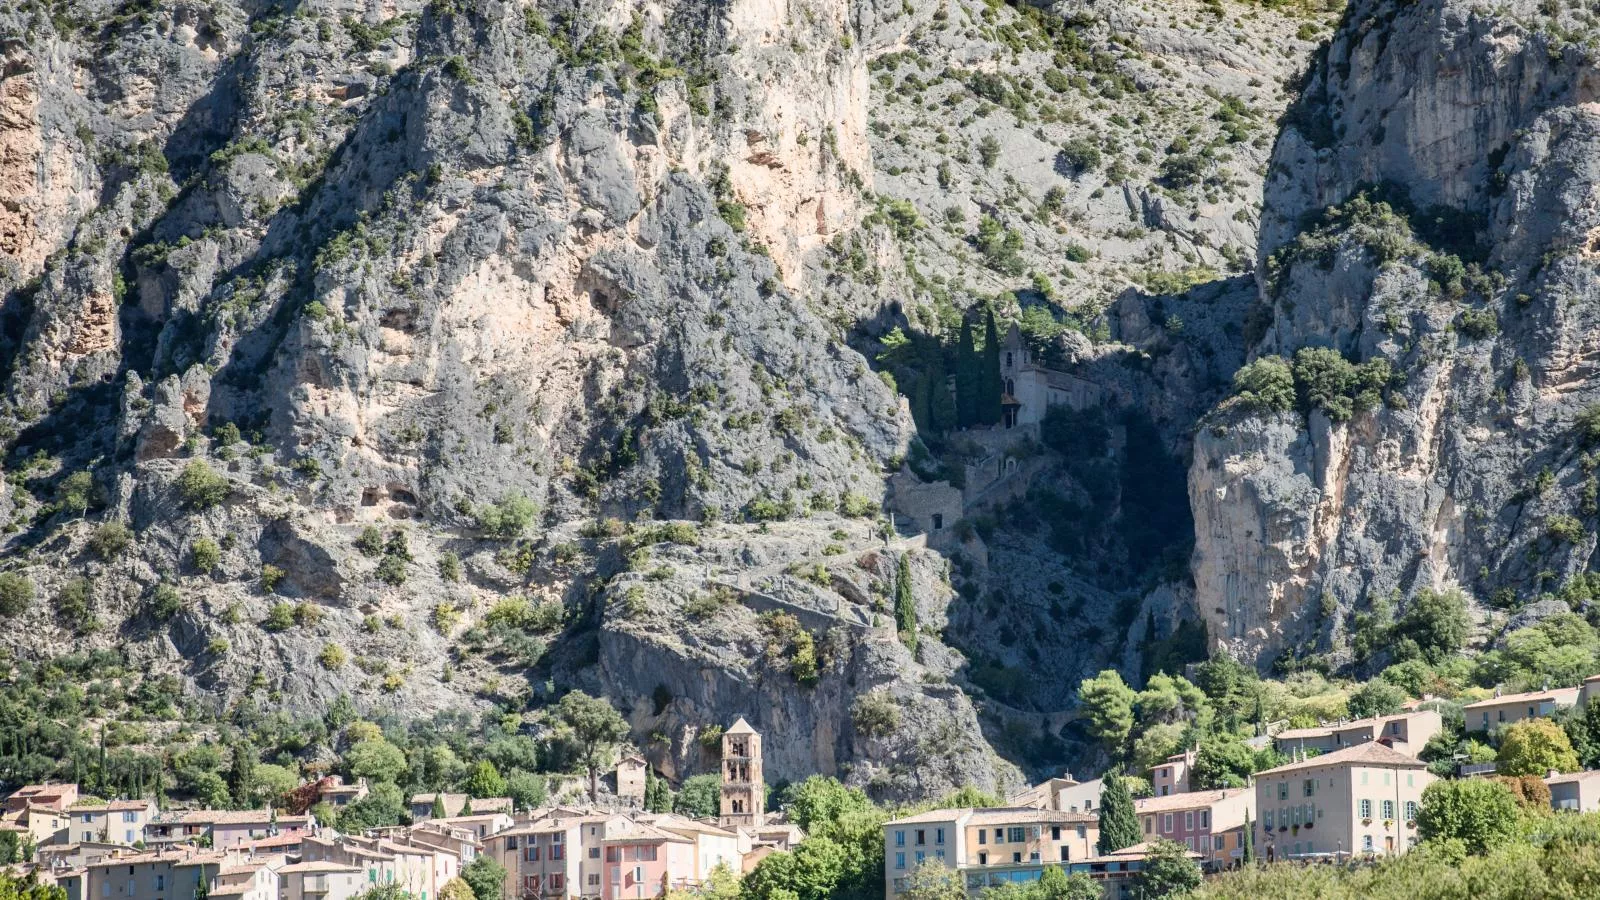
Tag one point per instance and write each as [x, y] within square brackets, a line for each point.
[116, 822]
[1504, 709]
[1063, 794]
[1358, 800]
[319, 881]
[1406, 732]
[339, 795]
[478, 825]
[642, 860]
[56, 796]
[541, 860]
[1029, 388]
[42, 825]
[1575, 792]
[1211, 823]
[991, 847]
[237, 828]
[251, 879]
[174, 873]
[1172, 776]
[630, 777]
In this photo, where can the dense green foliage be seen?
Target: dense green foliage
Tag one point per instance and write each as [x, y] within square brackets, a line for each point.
[1119, 827]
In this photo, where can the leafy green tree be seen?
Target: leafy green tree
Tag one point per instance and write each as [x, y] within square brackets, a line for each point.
[1119, 827]
[375, 760]
[382, 807]
[270, 782]
[485, 781]
[1168, 871]
[1582, 726]
[1108, 702]
[1055, 884]
[1437, 623]
[10, 848]
[1376, 698]
[527, 790]
[822, 799]
[1476, 811]
[933, 880]
[905, 606]
[594, 728]
[699, 796]
[814, 870]
[1223, 763]
[1535, 747]
[456, 889]
[486, 876]
[202, 487]
[1324, 380]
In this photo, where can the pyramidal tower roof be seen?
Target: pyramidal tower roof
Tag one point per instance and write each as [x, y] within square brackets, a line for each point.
[740, 727]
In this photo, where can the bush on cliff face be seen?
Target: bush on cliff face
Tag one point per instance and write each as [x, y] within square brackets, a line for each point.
[1265, 385]
[202, 487]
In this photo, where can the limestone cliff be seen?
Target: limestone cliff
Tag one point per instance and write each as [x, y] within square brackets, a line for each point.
[1429, 207]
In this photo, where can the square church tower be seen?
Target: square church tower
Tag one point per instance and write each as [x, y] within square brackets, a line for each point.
[744, 790]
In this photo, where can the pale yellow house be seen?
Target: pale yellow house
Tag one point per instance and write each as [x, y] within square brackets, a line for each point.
[117, 822]
[991, 847]
[320, 881]
[1575, 792]
[1360, 800]
[1504, 709]
[1407, 732]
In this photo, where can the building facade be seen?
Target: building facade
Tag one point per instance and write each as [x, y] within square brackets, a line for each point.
[1406, 732]
[1210, 823]
[1172, 776]
[990, 847]
[1504, 709]
[1576, 792]
[1361, 800]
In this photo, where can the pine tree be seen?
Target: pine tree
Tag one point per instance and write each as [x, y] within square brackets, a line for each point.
[1119, 827]
[993, 385]
[905, 608]
[969, 379]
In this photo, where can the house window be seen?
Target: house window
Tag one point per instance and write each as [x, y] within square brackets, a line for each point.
[1366, 809]
[1266, 821]
[983, 835]
[938, 521]
[899, 860]
[594, 852]
[999, 835]
[1166, 824]
[1055, 832]
[1188, 822]
[1205, 818]
[1016, 857]
[1081, 830]
[556, 883]
[638, 874]
[938, 835]
[1008, 359]
[1283, 790]
[1034, 856]
[1147, 820]
[1411, 810]
[1311, 787]
[594, 879]
[1366, 842]
[983, 858]
[1388, 809]
[920, 857]
[1015, 836]
[922, 837]
[899, 838]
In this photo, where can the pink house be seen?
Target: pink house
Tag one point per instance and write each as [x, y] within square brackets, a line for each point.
[644, 861]
[1208, 822]
[236, 829]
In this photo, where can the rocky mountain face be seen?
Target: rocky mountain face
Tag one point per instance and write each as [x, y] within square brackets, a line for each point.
[453, 354]
[1429, 211]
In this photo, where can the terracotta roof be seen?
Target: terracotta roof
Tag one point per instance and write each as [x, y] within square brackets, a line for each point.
[1552, 694]
[932, 815]
[1014, 814]
[113, 806]
[1370, 753]
[622, 830]
[1193, 800]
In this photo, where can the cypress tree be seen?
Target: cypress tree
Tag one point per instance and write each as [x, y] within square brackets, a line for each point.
[941, 407]
[1119, 827]
[1247, 847]
[905, 609]
[993, 384]
[242, 774]
[438, 811]
[969, 379]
